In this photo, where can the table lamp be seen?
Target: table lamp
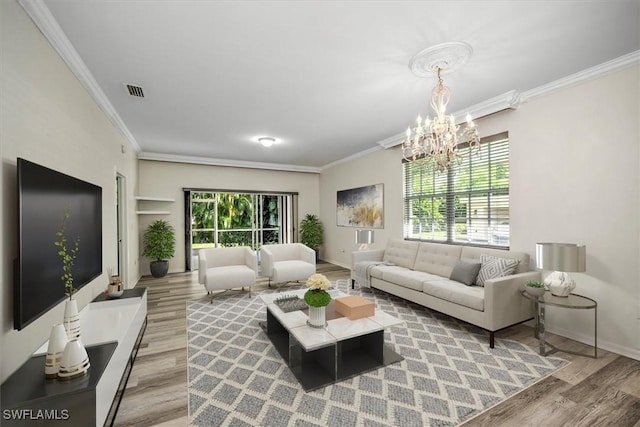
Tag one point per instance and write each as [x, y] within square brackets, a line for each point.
[561, 258]
[364, 238]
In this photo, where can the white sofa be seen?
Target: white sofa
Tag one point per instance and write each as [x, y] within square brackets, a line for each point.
[227, 268]
[287, 262]
[420, 271]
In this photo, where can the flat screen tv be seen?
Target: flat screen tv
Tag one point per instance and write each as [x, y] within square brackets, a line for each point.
[44, 195]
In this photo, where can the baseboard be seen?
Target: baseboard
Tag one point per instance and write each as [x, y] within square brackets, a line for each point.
[633, 353]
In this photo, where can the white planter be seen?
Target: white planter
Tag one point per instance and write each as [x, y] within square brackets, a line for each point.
[57, 342]
[317, 318]
[71, 319]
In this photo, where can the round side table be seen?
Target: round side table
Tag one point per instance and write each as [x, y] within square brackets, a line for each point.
[573, 301]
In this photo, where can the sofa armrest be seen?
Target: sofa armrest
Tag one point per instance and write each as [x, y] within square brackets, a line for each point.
[202, 266]
[503, 301]
[266, 261]
[368, 255]
[251, 259]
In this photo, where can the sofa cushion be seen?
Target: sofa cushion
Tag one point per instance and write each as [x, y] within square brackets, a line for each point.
[472, 254]
[436, 258]
[292, 270]
[401, 252]
[408, 278]
[494, 267]
[456, 292]
[465, 272]
[378, 270]
[229, 276]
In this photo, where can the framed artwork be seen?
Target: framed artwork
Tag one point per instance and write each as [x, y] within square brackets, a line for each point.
[361, 207]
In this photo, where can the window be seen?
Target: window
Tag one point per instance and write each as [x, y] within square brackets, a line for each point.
[467, 204]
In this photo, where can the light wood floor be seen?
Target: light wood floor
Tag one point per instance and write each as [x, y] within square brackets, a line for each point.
[588, 392]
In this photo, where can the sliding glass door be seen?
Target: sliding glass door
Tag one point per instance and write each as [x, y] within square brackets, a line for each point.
[216, 219]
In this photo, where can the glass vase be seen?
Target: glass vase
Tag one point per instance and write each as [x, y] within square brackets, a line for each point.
[317, 318]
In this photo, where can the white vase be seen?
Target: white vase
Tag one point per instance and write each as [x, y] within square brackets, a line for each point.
[71, 319]
[560, 284]
[57, 342]
[75, 360]
[317, 317]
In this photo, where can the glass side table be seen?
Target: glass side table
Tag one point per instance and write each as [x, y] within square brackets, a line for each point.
[573, 301]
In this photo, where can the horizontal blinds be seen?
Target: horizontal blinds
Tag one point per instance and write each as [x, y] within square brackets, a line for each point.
[469, 203]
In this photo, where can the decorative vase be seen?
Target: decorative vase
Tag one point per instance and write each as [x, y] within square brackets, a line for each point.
[74, 362]
[72, 319]
[560, 284]
[57, 342]
[317, 318]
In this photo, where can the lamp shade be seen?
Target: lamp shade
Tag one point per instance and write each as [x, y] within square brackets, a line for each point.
[364, 237]
[569, 257]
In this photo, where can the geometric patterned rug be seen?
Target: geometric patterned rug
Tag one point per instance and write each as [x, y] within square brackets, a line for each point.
[448, 375]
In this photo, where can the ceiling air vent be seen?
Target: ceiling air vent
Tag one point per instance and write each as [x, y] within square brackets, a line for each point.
[135, 91]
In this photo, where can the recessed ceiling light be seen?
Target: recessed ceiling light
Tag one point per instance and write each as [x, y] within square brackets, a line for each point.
[266, 141]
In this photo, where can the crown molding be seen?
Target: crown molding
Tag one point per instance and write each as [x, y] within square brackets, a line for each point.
[161, 157]
[46, 23]
[597, 71]
[354, 156]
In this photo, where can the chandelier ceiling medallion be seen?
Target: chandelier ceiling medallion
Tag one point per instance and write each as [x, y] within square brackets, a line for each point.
[438, 139]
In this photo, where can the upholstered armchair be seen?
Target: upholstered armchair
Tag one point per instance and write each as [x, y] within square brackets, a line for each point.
[289, 262]
[227, 268]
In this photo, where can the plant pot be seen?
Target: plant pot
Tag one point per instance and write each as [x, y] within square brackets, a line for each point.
[536, 292]
[159, 268]
[317, 318]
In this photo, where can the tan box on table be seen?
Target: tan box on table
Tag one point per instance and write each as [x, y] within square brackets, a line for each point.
[355, 307]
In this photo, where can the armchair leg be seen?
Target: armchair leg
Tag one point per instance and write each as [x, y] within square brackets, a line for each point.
[491, 339]
[353, 284]
[269, 284]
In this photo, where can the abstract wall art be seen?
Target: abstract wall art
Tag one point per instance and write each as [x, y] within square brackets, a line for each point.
[361, 207]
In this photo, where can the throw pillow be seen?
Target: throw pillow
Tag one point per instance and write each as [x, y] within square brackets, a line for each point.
[494, 267]
[465, 272]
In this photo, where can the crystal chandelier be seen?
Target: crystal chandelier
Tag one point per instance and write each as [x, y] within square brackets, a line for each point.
[439, 139]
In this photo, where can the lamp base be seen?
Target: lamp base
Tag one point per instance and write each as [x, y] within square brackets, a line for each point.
[560, 284]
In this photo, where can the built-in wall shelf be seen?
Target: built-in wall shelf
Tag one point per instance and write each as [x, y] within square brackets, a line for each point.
[153, 199]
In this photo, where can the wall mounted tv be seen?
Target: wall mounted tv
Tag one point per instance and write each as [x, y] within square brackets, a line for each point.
[44, 195]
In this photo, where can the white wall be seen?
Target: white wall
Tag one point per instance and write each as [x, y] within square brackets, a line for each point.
[167, 180]
[575, 164]
[49, 118]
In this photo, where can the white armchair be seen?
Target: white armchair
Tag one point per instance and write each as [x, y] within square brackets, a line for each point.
[227, 268]
[287, 262]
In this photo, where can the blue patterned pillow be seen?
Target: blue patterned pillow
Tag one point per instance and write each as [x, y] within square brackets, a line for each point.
[494, 267]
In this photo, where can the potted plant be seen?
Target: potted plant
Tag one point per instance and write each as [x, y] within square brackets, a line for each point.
[311, 232]
[317, 298]
[535, 288]
[159, 245]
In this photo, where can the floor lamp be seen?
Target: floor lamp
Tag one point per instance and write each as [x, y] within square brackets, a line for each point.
[561, 258]
[364, 238]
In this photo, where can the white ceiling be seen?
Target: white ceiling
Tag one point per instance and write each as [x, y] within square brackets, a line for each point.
[329, 79]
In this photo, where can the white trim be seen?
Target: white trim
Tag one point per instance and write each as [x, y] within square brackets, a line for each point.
[597, 71]
[353, 157]
[44, 20]
[508, 100]
[161, 157]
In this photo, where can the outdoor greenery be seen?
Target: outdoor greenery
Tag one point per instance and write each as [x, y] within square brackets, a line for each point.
[235, 218]
[159, 242]
[68, 255]
[311, 231]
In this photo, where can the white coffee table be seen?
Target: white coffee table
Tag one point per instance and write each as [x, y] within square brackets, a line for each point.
[321, 356]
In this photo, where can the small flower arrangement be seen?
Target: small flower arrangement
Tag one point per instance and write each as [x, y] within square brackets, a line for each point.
[317, 295]
[68, 256]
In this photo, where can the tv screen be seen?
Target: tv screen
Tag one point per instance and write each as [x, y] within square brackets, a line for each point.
[44, 195]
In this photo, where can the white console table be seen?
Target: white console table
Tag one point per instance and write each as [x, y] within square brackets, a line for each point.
[111, 330]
